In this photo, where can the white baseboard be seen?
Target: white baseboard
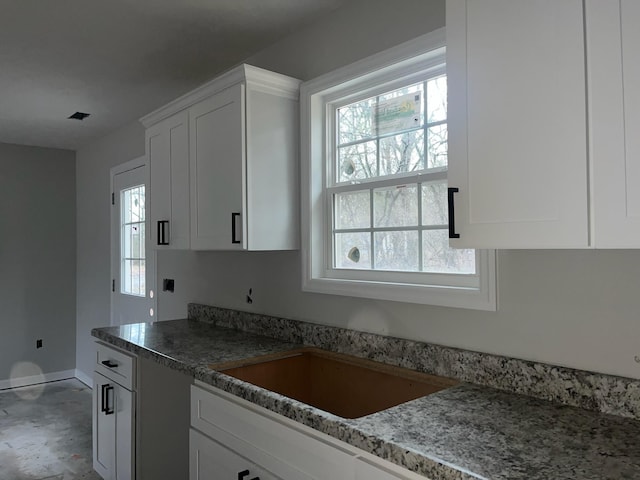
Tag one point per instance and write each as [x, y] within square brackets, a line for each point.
[84, 378]
[35, 379]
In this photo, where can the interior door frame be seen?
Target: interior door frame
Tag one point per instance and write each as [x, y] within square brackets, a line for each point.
[150, 278]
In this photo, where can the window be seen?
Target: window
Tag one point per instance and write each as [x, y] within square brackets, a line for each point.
[132, 242]
[375, 184]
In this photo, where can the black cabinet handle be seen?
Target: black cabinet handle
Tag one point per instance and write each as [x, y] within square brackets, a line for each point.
[255, 478]
[109, 364]
[242, 474]
[102, 397]
[452, 212]
[107, 410]
[163, 232]
[106, 388]
[233, 228]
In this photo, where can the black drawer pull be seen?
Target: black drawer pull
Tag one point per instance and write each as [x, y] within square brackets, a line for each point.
[255, 478]
[109, 364]
[452, 212]
[242, 474]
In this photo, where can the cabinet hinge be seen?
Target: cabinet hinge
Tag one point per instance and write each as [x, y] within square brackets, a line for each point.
[113, 285]
[113, 198]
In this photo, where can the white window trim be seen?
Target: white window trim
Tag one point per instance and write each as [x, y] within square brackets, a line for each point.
[405, 61]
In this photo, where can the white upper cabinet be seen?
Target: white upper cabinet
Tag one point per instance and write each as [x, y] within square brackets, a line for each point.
[167, 145]
[613, 68]
[240, 138]
[217, 171]
[544, 113]
[517, 123]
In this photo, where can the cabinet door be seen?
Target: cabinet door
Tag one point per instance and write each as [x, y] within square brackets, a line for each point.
[167, 145]
[104, 429]
[209, 460]
[613, 45]
[125, 431]
[517, 123]
[113, 429]
[218, 171]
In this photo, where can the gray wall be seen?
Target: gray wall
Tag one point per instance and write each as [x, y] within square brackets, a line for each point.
[574, 308]
[37, 259]
[94, 164]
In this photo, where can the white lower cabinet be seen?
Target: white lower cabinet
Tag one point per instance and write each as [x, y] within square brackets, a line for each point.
[230, 436]
[140, 418]
[113, 428]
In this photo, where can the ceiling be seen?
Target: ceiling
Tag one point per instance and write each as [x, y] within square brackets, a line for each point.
[120, 59]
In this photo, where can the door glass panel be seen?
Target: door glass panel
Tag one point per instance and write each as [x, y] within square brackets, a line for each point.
[132, 240]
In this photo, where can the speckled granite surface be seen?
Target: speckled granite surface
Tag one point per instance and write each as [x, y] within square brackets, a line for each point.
[189, 346]
[592, 391]
[464, 432]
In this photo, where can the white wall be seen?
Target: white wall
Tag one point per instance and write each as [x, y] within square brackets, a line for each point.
[94, 162]
[573, 308]
[37, 260]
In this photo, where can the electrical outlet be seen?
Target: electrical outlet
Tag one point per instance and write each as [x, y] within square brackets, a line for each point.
[39, 343]
[168, 285]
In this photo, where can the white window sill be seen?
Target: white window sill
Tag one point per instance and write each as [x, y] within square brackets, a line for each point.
[482, 297]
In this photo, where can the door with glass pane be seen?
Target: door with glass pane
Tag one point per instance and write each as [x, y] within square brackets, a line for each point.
[132, 265]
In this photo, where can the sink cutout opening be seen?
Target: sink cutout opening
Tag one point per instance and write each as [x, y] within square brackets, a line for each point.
[349, 387]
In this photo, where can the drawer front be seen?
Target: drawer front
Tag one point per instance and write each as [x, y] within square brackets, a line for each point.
[377, 469]
[209, 460]
[116, 365]
[302, 451]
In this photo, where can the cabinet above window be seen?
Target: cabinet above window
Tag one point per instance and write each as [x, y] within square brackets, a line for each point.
[541, 110]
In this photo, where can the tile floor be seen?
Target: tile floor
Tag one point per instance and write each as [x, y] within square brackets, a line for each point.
[45, 432]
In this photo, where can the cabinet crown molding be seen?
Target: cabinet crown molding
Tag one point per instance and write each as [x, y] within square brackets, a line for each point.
[253, 77]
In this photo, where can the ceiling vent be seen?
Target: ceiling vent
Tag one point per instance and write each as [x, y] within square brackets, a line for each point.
[79, 116]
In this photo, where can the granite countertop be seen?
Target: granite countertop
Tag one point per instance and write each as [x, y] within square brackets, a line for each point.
[466, 431]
